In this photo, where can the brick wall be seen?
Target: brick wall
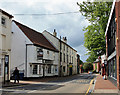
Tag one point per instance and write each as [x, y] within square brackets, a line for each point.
[117, 12]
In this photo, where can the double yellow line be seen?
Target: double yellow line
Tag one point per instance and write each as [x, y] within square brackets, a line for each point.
[89, 86]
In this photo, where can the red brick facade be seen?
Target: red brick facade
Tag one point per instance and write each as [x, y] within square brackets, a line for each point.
[117, 13]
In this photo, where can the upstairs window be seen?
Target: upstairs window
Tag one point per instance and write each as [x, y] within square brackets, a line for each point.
[3, 21]
[39, 53]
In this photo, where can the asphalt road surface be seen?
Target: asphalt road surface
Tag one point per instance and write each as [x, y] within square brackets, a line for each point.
[65, 85]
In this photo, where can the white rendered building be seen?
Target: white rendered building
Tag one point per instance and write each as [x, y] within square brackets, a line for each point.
[32, 53]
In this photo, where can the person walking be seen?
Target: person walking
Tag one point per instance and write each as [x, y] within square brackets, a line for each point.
[16, 75]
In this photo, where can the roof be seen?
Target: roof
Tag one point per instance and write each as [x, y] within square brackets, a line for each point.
[35, 37]
[60, 40]
[5, 13]
[112, 9]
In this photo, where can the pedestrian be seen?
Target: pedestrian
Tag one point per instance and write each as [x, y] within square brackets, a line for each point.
[16, 75]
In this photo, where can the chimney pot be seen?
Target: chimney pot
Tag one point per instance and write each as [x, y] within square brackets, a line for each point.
[55, 33]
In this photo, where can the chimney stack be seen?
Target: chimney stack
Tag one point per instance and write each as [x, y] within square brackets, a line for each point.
[65, 39]
[55, 33]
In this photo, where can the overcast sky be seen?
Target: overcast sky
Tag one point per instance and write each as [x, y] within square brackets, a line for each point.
[69, 25]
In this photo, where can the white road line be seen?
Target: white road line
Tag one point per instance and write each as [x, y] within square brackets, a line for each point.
[31, 91]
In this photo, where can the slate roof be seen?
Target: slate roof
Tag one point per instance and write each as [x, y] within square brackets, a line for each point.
[35, 37]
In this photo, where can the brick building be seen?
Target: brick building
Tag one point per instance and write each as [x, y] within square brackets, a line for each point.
[113, 44]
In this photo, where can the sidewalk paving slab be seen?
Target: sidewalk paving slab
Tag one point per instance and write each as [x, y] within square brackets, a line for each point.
[104, 86]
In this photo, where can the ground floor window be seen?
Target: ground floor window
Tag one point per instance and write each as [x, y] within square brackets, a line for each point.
[49, 69]
[112, 66]
[56, 69]
[35, 68]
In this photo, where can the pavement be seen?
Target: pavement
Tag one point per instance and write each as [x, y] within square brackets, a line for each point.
[104, 86]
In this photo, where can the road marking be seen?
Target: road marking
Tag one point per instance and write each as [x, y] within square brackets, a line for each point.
[31, 91]
[89, 87]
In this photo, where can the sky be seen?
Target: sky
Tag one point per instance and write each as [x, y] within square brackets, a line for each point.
[66, 25]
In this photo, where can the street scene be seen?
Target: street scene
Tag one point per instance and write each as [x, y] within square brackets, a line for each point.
[59, 47]
[74, 84]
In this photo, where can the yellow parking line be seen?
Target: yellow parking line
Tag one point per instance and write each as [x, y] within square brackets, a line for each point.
[89, 87]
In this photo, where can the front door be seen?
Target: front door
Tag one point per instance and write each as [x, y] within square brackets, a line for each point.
[70, 70]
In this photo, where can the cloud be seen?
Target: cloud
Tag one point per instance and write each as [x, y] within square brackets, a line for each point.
[69, 25]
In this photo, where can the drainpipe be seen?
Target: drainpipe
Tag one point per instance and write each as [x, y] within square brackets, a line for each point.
[26, 61]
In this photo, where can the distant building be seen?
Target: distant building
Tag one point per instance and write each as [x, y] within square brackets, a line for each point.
[67, 57]
[113, 44]
[96, 65]
[32, 53]
[5, 45]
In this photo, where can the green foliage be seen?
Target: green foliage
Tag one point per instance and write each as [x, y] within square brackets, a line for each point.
[81, 62]
[94, 71]
[87, 66]
[97, 13]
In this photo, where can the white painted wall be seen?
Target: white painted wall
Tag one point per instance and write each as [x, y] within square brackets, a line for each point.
[18, 47]
[5, 41]
[56, 43]
[70, 52]
[18, 54]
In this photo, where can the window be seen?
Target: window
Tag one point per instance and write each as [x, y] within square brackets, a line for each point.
[39, 69]
[35, 69]
[64, 47]
[60, 57]
[64, 57]
[39, 53]
[67, 58]
[3, 21]
[47, 52]
[56, 69]
[49, 69]
[63, 68]
[67, 49]
[72, 59]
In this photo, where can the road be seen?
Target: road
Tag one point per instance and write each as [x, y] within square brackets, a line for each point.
[75, 84]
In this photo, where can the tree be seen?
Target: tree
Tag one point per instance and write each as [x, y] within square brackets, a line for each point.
[97, 13]
[81, 62]
[87, 66]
